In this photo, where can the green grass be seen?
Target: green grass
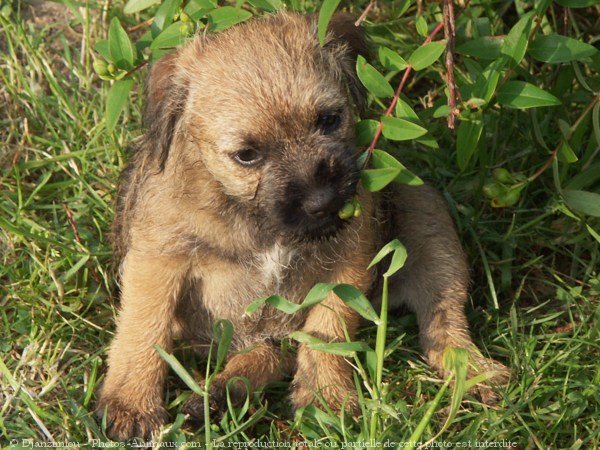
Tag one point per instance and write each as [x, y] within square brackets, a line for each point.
[536, 260]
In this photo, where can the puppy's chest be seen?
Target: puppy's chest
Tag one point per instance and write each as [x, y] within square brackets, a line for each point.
[274, 264]
[229, 286]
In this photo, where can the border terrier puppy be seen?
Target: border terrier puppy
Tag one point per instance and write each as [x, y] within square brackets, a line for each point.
[233, 194]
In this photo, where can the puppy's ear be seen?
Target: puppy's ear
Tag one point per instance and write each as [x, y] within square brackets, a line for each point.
[166, 92]
[352, 39]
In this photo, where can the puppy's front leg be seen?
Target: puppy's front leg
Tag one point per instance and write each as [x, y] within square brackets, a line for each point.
[132, 391]
[323, 373]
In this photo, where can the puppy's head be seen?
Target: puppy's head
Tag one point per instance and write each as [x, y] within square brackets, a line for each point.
[267, 114]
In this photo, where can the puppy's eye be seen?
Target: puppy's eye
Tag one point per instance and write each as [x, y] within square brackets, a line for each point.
[329, 122]
[248, 157]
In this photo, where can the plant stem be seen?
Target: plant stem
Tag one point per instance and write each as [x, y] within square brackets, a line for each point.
[380, 353]
[381, 334]
[554, 153]
[449, 35]
[365, 13]
[208, 378]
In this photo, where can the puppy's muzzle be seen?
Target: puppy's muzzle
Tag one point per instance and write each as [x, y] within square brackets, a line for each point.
[310, 204]
[322, 202]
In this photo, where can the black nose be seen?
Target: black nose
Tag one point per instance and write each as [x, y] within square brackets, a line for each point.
[321, 202]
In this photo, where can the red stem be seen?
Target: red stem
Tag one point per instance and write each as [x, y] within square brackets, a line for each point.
[388, 112]
[365, 13]
[448, 12]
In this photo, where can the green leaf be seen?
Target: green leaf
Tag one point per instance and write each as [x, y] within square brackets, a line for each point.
[559, 49]
[428, 141]
[325, 15]
[74, 269]
[405, 111]
[583, 201]
[170, 37]
[441, 111]
[143, 42]
[376, 179]
[385, 250]
[521, 95]
[391, 60]
[566, 153]
[360, 161]
[267, 5]
[365, 131]
[223, 332]
[426, 55]
[375, 83]
[197, 9]
[475, 102]
[515, 43]
[382, 160]
[119, 46]
[401, 129]
[595, 235]
[134, 6]
[356, 300]
[586, 178]
[577, 3]
[399, 256]
[371, 363]
[486, 47]
[227, 16]
[183, 374]
[103, 48]
[455, 360]
[398, 260]
[421, 26]
[349, 294]
[487, 81]
[318, 292]
[415, 438]
[305, 338]
[347, 349]
[117, 97]
[276, 301]
[164, 16]
[467, 137]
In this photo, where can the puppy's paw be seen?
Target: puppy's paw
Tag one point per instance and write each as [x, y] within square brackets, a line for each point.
[238, 392]
[125, 421]
[336, 397]
[498, 373]
[194, 409]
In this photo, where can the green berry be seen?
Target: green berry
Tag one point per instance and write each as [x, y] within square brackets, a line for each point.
[357, 209]
[6, 11]
[112, 68]
[493, 190]
[186, 28]
[347, 211]
[508, 199]
[503, 176]
[100, 67]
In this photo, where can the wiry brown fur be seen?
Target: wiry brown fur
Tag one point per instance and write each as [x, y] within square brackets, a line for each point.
[201, 236]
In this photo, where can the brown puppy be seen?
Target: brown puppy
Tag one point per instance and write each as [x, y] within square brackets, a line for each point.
[233, 194]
